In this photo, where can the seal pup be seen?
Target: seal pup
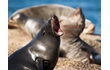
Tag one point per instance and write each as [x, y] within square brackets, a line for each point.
[42, 52]
[32, 25]
[72, 46]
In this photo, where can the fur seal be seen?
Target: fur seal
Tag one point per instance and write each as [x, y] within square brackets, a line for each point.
[50, 9]
[42, 52]
[72, 46]
[31, 24]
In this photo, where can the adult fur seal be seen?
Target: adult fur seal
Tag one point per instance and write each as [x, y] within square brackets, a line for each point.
[42, 52]
[50, 9]
[71, 45]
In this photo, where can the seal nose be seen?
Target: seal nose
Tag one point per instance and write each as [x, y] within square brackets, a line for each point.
[55, 17]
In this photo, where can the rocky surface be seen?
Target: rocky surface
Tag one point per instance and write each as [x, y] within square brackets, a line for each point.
[18, 38]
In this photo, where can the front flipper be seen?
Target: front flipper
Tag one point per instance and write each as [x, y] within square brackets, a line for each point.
[95, 58]
[46, 64]
[39, 63]
[42, 64]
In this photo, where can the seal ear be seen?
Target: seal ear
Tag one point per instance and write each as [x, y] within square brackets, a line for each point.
[78, 14]
[43, 32]
[77, 11]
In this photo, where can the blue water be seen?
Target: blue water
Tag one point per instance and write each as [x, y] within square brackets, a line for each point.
[91, 8]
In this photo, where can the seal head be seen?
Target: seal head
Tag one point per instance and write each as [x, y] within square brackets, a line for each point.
[73, 26]
[53, 24]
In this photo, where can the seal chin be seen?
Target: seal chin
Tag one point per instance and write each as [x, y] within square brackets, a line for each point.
[56, 27]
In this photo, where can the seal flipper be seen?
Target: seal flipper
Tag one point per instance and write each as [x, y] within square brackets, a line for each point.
[95, 58]
[46, 65]
[39, 63]
[42, 64]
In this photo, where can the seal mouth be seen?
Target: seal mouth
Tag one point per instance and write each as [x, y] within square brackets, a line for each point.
[56, 26]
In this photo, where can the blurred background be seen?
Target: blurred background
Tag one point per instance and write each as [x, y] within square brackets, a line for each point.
[90, 8]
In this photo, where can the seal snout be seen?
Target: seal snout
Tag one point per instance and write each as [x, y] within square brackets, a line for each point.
[56, 26]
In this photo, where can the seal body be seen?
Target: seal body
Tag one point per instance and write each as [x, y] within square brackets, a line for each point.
[72, 46]
[42, 52]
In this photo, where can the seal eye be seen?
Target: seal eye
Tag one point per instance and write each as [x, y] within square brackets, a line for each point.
[43, 33]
